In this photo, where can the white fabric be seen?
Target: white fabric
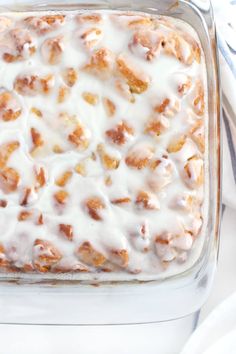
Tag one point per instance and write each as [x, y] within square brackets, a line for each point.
[217, 334]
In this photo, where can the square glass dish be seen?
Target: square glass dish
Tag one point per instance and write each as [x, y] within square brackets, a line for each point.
[109, 296]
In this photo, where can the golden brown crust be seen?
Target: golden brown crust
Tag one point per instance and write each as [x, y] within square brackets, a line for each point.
[90, 256]
[4, 262]
[90, 98]
[62, 180]
[3, 203]
[24, 215]
[67, 231]
[9, 179]
[89, 18]
[109, 106]
[45, 24]
[197, 134]
[147, 200]
[36, 138]
[120, 257]
[194, 171]
[119, 201]
[199, 100]
[139, 159]
[93, 206]
[6, 150]
[150, 40]
[109, 162]
[20, 45]
[40, 177]
[63, 94]
[31, 85]
[52, 50]
[101, 63]
[61, 197]
[10, 109]
[70, 76]
[45, 255]
[78, 137]
[177, 144]
[137, 81]
[120, 133]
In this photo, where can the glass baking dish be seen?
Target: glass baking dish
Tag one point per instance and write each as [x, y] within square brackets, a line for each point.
[38, 300]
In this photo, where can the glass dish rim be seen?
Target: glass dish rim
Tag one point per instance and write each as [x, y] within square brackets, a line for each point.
[202, 260]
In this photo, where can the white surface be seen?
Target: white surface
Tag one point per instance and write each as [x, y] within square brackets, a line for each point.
[226, 344]
[217, 332]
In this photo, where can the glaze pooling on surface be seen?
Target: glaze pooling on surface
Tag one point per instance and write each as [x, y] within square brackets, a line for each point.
[102, 145]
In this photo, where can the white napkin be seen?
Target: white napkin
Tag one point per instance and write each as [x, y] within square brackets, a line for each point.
[217, 334]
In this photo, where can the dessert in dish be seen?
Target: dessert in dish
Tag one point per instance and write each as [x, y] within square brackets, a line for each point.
[103, 120]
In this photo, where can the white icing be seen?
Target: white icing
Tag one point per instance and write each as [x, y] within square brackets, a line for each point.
[120, 226]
